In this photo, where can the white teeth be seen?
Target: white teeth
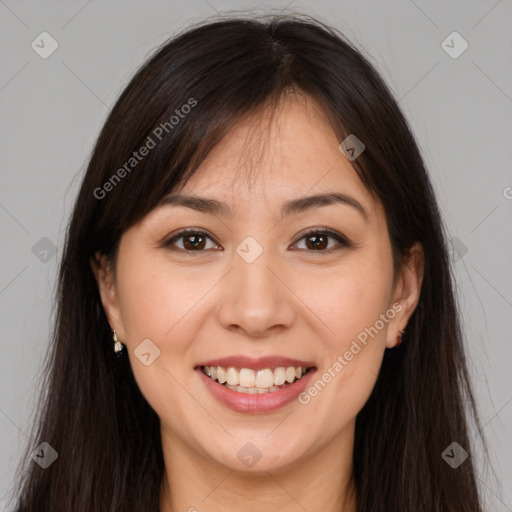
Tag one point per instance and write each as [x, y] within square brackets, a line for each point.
[264, 378]
[290, 374]
[279, 376]
[221, 375]
[232, 377]
[246, 380]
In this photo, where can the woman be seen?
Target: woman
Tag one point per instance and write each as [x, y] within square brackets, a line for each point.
[255, 307]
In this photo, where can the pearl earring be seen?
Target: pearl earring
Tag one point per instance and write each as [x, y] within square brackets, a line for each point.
[118, 346]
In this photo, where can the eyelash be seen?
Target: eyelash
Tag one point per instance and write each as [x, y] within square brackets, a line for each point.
[343, 242]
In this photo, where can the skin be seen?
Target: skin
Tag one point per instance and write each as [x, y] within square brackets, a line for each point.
[293, 300]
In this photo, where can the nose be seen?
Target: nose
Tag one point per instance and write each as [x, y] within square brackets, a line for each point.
[256, 299]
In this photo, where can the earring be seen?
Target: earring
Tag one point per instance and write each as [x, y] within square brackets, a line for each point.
[399, 337]
[118, 346]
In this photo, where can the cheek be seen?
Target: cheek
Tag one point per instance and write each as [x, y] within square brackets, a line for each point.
[156, 300]
[157, 304]
[166, 305]
[356, 310]
[347, 301]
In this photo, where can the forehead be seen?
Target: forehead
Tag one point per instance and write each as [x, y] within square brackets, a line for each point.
[278, 153]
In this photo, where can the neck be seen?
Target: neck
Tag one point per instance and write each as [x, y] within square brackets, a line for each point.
[321, 481]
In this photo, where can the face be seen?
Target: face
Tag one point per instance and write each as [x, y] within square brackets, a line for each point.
[259, 291]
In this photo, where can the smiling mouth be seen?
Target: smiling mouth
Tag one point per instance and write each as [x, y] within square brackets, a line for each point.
[246, 380]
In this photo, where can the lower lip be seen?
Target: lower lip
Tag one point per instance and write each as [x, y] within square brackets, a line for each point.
[257, 403]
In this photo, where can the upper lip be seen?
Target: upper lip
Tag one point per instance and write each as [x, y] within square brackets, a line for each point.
[260, 363]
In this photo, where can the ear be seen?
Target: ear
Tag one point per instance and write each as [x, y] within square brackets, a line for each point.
[105, 279]
[406, 293]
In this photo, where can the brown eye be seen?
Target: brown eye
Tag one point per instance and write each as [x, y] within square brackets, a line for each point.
[319, 241]
[192, 241]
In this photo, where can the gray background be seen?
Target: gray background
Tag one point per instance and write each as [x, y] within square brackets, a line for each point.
[460, 110]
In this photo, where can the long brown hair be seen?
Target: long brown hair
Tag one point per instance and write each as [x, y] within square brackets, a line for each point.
[92, 413]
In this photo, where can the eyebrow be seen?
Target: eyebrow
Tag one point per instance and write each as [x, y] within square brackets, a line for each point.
[301, 204]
